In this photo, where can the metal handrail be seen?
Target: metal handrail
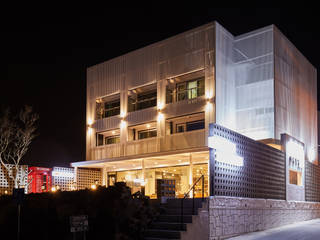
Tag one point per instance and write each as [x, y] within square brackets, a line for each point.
[187, 193]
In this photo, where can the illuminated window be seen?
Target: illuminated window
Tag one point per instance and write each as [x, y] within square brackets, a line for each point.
[147, 133]
[108, 106]
[188, 86]
[112, 140]
[141, 98]
[295, 178]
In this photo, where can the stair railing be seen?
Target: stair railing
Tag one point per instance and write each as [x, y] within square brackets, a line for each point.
[187, 194]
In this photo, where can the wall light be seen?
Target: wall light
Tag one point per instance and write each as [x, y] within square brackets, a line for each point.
[90, 121]
[123, 124]
[225, 151]
[160, 106]
[93, 186]
[148, 126]
[160, 117]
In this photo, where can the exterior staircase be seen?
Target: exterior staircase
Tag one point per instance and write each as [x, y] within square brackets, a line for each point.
[169, 224]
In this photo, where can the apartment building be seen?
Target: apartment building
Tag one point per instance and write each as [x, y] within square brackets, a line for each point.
[149, 111]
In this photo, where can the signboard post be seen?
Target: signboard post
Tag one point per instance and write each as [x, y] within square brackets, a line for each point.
[79, 224]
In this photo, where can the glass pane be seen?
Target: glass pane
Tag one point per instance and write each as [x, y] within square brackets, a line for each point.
[192, 89]
[196, 125]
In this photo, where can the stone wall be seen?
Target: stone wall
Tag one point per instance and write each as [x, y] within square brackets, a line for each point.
[232, 216]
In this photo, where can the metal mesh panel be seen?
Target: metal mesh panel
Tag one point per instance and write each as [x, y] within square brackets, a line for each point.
[253, 57]
[261, 176]
[295, 95]
[312, 184]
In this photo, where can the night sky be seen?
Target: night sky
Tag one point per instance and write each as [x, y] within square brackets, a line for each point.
[44, 59]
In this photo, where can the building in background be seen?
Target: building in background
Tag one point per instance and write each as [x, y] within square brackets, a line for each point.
[7, 184]
[63, 178]
[40, 178]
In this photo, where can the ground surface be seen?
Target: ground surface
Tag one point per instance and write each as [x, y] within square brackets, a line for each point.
[307, 230]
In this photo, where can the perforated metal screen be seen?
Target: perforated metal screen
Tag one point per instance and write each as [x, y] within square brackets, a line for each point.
[261, 176]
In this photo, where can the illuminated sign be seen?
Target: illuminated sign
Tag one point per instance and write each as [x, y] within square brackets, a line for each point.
[295, 152]
[62, 174]
[225, 151]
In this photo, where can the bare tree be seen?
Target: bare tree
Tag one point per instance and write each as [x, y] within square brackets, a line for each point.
[16, 134]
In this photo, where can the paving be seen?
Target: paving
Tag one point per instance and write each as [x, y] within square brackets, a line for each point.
[307, 230]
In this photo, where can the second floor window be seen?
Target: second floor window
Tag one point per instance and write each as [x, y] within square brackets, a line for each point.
[138, 101]
[108, 107]
[147, 133]
[185, 87]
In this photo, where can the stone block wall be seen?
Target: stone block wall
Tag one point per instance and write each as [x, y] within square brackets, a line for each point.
[232, 216]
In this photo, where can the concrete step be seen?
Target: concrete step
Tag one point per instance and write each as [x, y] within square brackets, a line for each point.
[169, 226]
[186, 202]
[174, 218]
[157, 233]
[177, 211]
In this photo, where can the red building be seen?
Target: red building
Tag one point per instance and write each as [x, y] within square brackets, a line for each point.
[41, 180]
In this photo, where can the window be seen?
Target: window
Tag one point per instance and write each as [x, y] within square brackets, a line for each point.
[112, 140]
[185, 90]
[295, 178]
[196, 125]
[147, 133]
[99, 139]
[108, 107]
[142, 100]
[181, 127]
[111, 108]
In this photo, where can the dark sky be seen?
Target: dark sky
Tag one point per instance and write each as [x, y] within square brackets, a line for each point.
[44, 59]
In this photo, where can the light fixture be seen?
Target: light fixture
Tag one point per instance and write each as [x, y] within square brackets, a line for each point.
[148, 126]
[123, 124]
[93, 186]
[53, 189]
[160, 116]
[113, 132]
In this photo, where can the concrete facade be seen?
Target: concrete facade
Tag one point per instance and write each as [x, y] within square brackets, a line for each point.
[230, 216]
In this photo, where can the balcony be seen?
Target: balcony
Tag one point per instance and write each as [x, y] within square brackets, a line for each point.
[106, 151]
[184, 140]
[172, 142]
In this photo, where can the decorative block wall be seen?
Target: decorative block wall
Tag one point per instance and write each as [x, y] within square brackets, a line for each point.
[261, 176]
[86, 177]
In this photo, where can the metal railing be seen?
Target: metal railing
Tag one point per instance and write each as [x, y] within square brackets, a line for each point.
[187, 194]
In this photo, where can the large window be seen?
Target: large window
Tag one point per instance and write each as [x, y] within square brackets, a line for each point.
[142, 98]
[181, 89]
[108, 137]
[147, 133]
[112, 140]
[108, 107]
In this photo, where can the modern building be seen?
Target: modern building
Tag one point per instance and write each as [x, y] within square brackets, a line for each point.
[153, 114]
[6, 183]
